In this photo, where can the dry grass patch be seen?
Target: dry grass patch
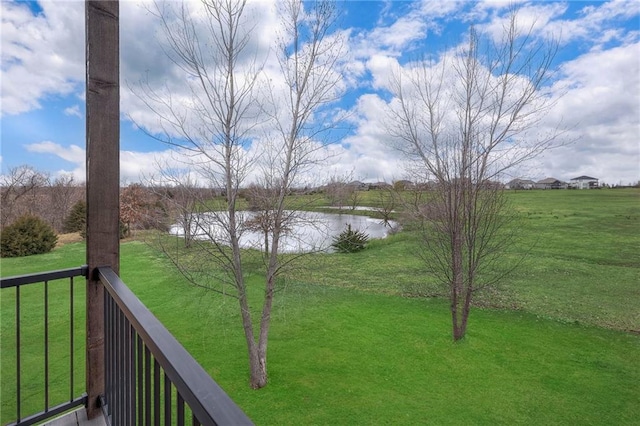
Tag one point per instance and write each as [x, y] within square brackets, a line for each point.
[73, 237]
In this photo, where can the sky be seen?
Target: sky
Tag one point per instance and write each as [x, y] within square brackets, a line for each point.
[595, 84]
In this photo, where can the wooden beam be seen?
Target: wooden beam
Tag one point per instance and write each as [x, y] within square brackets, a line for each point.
[103, 177]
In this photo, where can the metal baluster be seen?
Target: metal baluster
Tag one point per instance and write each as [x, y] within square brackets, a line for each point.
[71, 339]
[132, 374]
[108, 348]
[18, 352]
[147, 386]
[180, 409]
[121, 369]
[46, 346]
[126, 371]
[139, 351]
[156, 392]
[167, 400]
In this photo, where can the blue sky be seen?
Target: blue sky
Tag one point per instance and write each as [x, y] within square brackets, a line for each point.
[597, 72]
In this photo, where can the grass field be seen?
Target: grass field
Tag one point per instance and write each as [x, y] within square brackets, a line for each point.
[347, 348]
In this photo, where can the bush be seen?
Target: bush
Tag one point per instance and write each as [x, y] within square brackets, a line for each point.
[77, 219]
[26, 236]
[350, 241]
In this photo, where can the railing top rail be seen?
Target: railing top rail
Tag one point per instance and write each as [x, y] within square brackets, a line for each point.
[209, 403]
[43, 276]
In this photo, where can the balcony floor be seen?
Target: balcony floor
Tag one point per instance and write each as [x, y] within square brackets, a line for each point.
[75, 418]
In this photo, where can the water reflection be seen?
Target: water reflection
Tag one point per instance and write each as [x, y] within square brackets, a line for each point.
[306, 231]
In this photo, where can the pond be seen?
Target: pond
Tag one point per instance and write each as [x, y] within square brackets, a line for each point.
[306, 232]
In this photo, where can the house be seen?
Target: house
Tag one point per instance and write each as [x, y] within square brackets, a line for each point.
[551, 183]
[358, 186]
[520, 184]
[401, 185]
[380, 185]
[584, 182]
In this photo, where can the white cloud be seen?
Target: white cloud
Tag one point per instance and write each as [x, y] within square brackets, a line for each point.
[148, 68]
[597, 100]
[73, 111]
[537, 18]
[401, 33]
[596, 24]
[406, 30]
[602, 107]
[369, 152]
[134, 166]
[41, 55]
[382, 69]
[72, 153]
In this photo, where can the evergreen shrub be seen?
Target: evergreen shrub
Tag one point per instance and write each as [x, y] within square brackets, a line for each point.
[27, 236]
[350, 241]
[77, 219]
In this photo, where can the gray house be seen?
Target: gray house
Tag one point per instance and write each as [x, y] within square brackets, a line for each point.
[520, 184]
[551, 183]
[358, 186]
[584, 182]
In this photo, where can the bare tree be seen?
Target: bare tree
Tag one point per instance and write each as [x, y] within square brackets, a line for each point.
[340, 193]
[354, 195]
[213, 129]
[63, 193]
[182, 199]
[308, 56]
[463, 121]
[260, 200]
[19, 193]
[386, 200]
[336, 192]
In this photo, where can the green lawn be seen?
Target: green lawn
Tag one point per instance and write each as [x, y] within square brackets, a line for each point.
[584, 256]
[347, 348]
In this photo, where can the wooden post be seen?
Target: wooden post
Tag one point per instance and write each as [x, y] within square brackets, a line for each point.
[103, 177]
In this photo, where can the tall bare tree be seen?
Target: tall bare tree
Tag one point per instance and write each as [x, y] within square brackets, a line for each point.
[210, 46]
[215, 126]
[463, 121]
[309, 56]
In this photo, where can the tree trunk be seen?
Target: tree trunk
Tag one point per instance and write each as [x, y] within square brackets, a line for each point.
[257, 355]
[258, 366]
[260, 380]
[459, 319]
[458, 284]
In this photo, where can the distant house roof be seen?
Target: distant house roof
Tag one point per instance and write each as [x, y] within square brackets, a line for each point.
[584, 178]
[549, 181]
[521, 181]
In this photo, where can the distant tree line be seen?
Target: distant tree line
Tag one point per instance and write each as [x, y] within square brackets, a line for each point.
[27, 191]
[60, 201]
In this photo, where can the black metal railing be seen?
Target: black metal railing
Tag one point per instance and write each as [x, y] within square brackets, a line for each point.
[37, 334]
[149, 377]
